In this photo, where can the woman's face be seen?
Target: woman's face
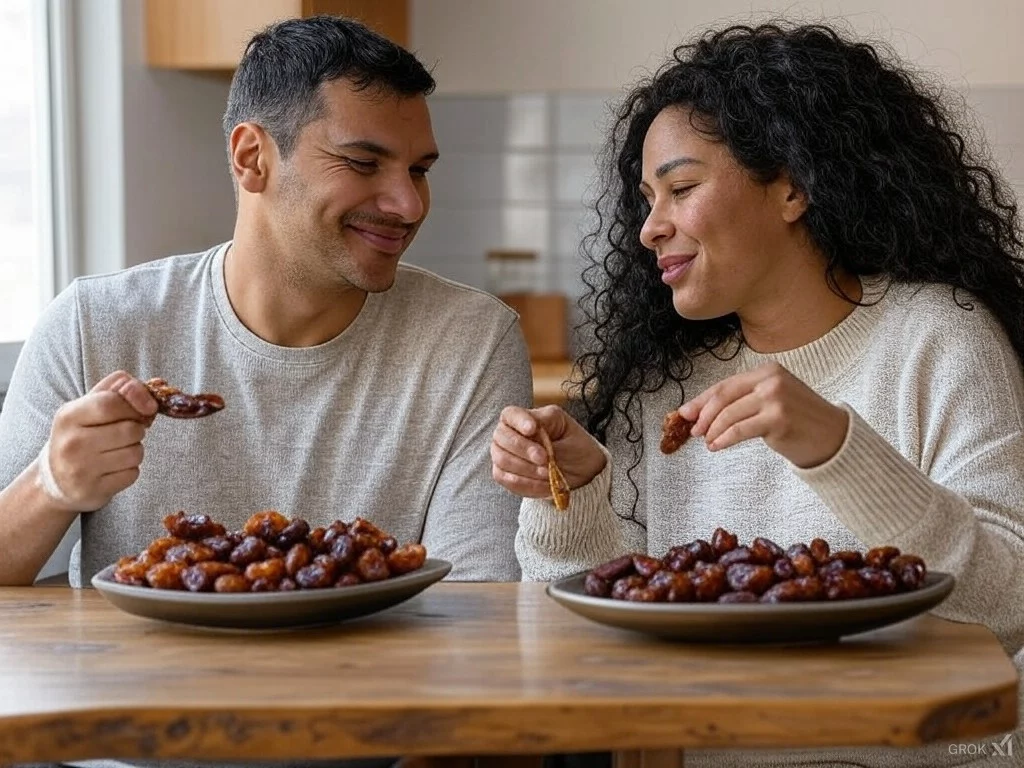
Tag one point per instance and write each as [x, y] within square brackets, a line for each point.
[724, 242]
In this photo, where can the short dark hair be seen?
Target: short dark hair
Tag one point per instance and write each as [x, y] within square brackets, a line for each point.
[277, 83]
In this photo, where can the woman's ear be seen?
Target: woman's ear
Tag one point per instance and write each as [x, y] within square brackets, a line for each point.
[250, 149]
[792, 198]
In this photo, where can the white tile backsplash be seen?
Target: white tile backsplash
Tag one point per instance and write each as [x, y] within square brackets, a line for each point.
[575, 177]
[582, 121]
[514, 173]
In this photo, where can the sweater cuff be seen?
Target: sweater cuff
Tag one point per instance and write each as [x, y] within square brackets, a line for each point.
[586, 526]
[869, 486]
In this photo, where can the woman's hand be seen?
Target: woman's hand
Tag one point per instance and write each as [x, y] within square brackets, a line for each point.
[771, 403]
[519, 461]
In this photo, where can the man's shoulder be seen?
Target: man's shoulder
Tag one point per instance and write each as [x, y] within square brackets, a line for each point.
[448, 297]
[147, 284]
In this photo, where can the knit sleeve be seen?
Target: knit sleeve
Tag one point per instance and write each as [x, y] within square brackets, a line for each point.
[959, 502]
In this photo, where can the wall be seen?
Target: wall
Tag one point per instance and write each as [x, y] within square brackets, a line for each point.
[479, 45]
[151, 171]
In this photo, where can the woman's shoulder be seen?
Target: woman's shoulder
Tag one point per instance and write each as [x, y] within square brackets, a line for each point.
[938, 314]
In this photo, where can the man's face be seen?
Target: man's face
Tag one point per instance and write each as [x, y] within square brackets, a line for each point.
[351, 196]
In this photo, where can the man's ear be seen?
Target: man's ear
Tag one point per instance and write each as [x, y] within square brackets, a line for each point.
[792, 198]
[252, 153]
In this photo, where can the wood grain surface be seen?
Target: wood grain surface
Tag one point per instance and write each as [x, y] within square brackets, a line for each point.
[468, 669]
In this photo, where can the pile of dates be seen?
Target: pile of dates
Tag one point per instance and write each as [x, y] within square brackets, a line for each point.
[722, 571]
[270, 554]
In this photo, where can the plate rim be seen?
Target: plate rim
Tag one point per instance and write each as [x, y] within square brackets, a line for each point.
[944, 583]
[102, 582]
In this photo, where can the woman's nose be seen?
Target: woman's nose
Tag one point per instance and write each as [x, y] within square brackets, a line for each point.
[656, 227]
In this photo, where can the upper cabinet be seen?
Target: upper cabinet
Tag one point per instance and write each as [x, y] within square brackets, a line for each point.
[210, 35]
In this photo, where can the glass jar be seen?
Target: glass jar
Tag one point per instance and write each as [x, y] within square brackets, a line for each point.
[511, 272]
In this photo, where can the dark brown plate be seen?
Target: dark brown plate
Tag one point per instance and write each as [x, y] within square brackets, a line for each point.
[825, 620]
[268, 610]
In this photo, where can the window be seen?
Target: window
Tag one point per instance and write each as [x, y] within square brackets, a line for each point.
[26, 189]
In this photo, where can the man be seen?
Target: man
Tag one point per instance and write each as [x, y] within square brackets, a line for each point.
[353, 385]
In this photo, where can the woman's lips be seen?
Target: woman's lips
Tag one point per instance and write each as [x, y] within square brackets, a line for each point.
[387, 243]
[673, 272]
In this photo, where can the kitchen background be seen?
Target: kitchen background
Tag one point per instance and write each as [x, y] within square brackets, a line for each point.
[524, 91]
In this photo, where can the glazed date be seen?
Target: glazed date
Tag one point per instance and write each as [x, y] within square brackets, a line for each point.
[615, 569]
[747, 577]
[709, 583]
[804, 589]
[722, 541]
[849, 558]
[314, 576]
[189, 553]
[132, 572]
[348, 580]
[172, 402]
[804, 564]
[251, 550]
[372, 565]
[909, 570]
[679, 559]
[878, 580]
[738, 555]
[272, 570]
[845, 585]
[701, 550]
[626, 583]
[406, 559]
[263, 585]
[880, 557]
[646, 566]
[316, 540]
[221, 546]
[675, 431]
[294, 533]
[820, 551]
[192, 527]
[595, 586]
[344, 550]
[158, 547]
[641, 595]
[231, 583]
[165, 576]
[299, 556]
[201, 577]
[784, 569]
[265, 525]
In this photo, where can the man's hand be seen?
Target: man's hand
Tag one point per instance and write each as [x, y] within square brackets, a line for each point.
[95, 447]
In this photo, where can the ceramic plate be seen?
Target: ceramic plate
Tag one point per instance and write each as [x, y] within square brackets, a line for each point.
[753, 622]
[268, 610]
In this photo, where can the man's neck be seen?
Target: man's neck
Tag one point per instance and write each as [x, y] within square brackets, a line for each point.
[280, 310]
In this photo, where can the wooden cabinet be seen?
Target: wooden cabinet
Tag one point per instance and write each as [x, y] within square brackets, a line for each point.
[210, 35]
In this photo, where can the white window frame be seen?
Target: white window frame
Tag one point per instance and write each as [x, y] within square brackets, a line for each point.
[52, 28]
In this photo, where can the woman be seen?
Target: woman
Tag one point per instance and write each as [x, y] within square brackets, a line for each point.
[800, 254]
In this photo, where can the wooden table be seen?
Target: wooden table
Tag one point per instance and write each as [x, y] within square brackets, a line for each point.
[468, 669]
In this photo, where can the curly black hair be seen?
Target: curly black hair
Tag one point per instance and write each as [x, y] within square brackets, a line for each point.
[892, 183]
